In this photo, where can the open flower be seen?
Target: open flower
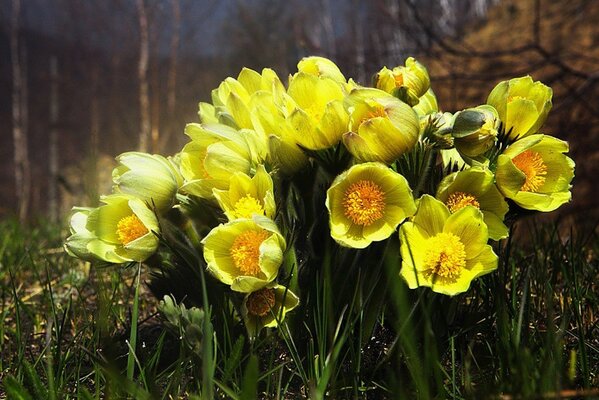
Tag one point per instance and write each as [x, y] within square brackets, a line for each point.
[522, 105]
[445, 251]
[245, 253]
[476, 187]
[407, 83]
[366, 203]
[382, 128]
[248, 196]
[119, 231]
[266, 308]
[149, 177]
[535, 173]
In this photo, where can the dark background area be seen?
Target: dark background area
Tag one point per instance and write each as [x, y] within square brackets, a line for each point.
[468, 46]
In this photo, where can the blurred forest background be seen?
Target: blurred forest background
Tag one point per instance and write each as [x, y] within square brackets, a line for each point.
[82, 81]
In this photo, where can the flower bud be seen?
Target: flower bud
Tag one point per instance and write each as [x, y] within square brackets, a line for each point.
[475, 130]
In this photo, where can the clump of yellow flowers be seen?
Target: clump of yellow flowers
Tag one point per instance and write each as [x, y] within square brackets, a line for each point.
[269, 161]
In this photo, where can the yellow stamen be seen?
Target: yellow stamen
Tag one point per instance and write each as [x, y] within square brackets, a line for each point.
[364, 202]
[445, 255]
[245, 251]
[532, 166]
[247, 206]
[130, 228]
[261, 302]
[459, 200]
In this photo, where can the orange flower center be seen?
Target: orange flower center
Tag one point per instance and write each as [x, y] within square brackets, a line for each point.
[445, 255]
[532, 166]
[247, 206]
[364, 202]
[130, 228]
[459, 200]
[245, 251]
[398, 80]
[375, 112]
[261, 302]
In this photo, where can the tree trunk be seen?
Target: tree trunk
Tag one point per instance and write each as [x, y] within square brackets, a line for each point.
[19, 104]
[53, 211]
[171, 88]
[144, 101]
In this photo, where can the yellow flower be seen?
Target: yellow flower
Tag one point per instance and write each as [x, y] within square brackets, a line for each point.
[319, 119]
[245, 253]
[475, 130]
[522, 105]
[117, 232]
[427, 104]
[321, 67]
[215, 153]
[445, 251]
[267, 307]
[407, 83]
[366, 203]
[476, 187]
[149, 177]
[233, 96]
[248, 196]
[535, 173]
[382, 127]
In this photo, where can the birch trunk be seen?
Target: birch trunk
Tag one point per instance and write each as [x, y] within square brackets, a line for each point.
[19, 102]
[144, 101]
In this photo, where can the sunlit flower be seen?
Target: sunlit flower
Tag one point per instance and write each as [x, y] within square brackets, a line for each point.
[407, 83]
[475, 130]
[476, 187]
[232, 98]
[366, 203]
[248, 196]
[427, 104]
[321, 67]
[522, 105]
[382, 127]
[119, 231]
[267, 307]
[535, 173]
[445, 251]
[149, 177]
[245, 253]
[319, 118]
[215, 153]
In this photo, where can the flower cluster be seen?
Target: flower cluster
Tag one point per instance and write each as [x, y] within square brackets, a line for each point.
[393, 165]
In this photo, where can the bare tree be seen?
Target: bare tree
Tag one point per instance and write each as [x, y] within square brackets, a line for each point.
[19, 104]
[53, 145]
[144, 100]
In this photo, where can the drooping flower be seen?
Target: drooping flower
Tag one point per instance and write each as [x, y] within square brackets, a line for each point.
[149, 177]
[366, 203]
[119, 231]
[535, 173]
[382, 127]
[522, 105]
[445, 251]
[248, 196]
[475, 187]
[407, 83]
[245, 253]
[475, 130]
[267, 307]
